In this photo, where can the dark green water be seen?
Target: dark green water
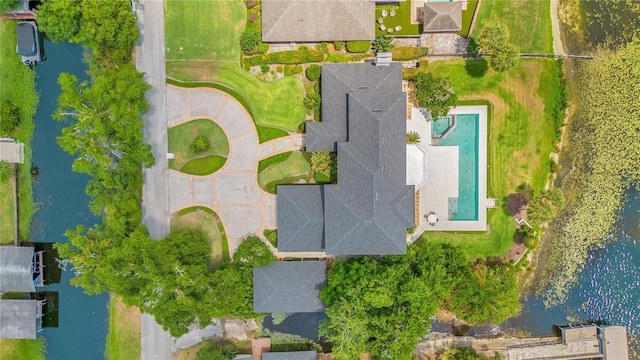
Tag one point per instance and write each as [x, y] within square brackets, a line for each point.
[62, 202]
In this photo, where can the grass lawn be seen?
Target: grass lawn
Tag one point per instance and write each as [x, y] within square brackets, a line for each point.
[265, 163]
[529, 23]
[521, 138]
[123, 340]
[204, 30]
[15, 349]
[203, 165]
[276, 104]
[207, 221]
[209, 33]
[7, 219]
[294, 168]
[402, 18]
[180, 138]
[18, 86]
[467, 16]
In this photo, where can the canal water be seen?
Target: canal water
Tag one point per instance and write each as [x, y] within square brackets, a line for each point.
[62, 204]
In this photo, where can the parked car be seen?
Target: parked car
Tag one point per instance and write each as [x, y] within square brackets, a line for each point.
[28, 42]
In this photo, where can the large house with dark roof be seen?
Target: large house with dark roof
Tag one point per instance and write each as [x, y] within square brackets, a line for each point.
[317, 20]
[442, 16]
[370, 208]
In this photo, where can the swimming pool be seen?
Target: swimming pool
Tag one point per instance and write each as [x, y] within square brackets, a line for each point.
[465, 136]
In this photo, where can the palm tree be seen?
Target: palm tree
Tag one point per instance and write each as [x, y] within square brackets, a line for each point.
[200, 145]
[382, 43]
[6, 170]
[413, 137]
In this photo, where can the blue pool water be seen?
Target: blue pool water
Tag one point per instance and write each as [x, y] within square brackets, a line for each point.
[440, 125]
[465, 136]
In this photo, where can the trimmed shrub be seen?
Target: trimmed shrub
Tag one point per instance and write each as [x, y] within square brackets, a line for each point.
[296, 69]
[280, 69]
[264, 68]
[339, 45]
[287, 71]
[313, 72]
[263, 48]
[249, 39]
[362, 46]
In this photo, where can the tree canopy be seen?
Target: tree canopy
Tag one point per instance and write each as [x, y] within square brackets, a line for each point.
[433, 94]
[60, 19]
[382, 43]
[494, 39]
[383, 306]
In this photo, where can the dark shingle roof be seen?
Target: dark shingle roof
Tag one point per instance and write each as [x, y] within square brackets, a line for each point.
[290, 286]
[338, 80]
[26, 34]
[15, 269]
[18, 319]
[295, 355]
[442, 16]
[365, 211]
[300, 218]
[317, 20]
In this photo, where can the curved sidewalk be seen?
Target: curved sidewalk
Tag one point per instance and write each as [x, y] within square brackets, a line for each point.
[233, 191]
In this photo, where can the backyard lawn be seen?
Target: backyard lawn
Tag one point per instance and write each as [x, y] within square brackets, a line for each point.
[529, 23]
[209, 32]
[180, 138]
[293, 169]
[521, 138]
[276, 104]
[402, 18]
[207, 221]
[22, 349]
[204, 30]
[123, 340]
[6, 212]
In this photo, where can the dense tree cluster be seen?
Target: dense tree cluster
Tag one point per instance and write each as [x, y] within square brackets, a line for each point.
[383, 306]
[433, 94]
[606, 151]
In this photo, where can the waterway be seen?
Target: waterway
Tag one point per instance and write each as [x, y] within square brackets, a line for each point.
[62, 204]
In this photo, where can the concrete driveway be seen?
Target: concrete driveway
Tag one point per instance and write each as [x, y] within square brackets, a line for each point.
[233, 191]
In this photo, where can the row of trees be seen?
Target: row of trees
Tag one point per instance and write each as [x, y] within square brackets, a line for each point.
[383, 306]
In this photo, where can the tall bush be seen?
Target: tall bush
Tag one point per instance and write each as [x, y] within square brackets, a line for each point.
[358, 46]
[313, 72]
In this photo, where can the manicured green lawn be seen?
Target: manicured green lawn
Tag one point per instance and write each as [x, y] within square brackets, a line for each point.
[265, 163]
[17, 84]
[402, 19]
[180, 138]
[521, 138]
[123, 339]
[528, 21]
[467, 16]
[294, 168]
[276, 104]
[207, 221]
[15, 349]
[7, 219]
[204, 30]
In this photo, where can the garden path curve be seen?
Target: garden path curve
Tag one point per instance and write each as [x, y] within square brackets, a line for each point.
[232, 191]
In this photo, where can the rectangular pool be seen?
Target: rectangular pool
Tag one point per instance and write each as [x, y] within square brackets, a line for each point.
[464, 135]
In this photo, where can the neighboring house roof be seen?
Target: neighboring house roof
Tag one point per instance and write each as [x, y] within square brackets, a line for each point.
[294, 355]
[11, 152]
[15, 269]
[18, 319]
[289, 286]
[26, 33]
[317, 20]
[338, 80]
[442, 16]
[300, 218]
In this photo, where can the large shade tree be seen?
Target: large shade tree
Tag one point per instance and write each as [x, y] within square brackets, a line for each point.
[435, 95]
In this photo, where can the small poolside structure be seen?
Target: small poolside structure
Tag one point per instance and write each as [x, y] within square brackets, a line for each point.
[20, 319]
[442, 16]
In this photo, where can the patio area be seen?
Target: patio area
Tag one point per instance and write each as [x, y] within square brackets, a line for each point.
[440, 187]
[398, 20]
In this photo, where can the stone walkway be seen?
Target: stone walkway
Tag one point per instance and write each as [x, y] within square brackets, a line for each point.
[233, 191]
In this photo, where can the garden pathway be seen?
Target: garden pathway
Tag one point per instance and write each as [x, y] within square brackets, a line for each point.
[233, 191]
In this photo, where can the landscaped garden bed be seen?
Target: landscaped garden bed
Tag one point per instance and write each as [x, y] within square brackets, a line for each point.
[292, 169]
[207, 221]
[182, 139]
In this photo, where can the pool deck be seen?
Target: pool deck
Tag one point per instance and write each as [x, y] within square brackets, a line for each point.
[441, 181]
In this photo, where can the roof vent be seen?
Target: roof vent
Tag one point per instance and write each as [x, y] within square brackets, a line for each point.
[367, 222]
[363, 87]
[377, 196]
[377, 110]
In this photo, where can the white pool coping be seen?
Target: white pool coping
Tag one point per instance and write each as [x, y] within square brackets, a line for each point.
[441, 181]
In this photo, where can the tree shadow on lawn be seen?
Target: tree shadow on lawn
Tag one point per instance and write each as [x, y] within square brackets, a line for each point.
[476, 67]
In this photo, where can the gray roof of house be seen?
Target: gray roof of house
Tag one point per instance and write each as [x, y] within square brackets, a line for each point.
[317, 20]
[15, 269]
[338, 80]
[18, 319]
[294, 355]
[366, 213]
[442, 16]
[300, 218]
[290, 286]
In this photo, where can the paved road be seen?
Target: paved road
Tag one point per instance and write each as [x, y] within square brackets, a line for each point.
[156, 343]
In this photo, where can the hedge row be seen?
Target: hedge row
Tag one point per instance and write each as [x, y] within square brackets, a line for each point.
[358, 46]
[301, 56]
